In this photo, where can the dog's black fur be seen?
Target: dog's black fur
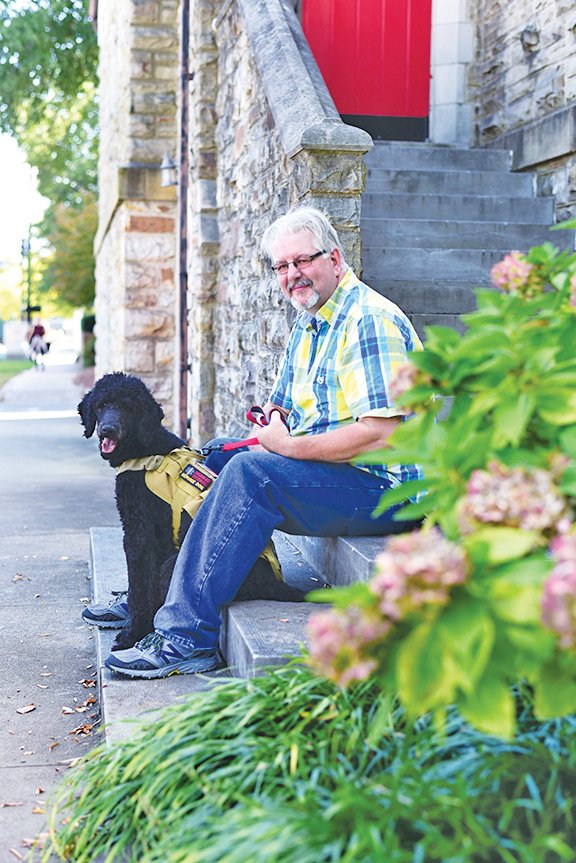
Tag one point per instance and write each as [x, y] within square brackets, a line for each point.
[128, 422]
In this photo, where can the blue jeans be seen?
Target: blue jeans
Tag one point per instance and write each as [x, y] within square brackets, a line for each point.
[255, 494]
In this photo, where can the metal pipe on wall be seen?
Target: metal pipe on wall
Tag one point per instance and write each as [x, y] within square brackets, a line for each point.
[183, 165]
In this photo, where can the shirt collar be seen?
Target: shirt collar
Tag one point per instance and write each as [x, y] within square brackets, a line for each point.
[327, 311]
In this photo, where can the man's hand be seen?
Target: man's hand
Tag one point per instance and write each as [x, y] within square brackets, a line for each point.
[340, 445]
[275, 437]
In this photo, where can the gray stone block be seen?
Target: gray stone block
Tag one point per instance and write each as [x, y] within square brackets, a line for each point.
[539, 211]
[429, 233]
[260, 634]
[428, 296]
[406, 156]
[424, 182]
[431, 264]
[340, 560]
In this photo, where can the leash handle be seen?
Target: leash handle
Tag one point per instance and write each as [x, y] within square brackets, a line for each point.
[259, 417]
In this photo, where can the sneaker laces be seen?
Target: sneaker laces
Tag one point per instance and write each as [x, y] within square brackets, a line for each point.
[116, 594]
[153, 641]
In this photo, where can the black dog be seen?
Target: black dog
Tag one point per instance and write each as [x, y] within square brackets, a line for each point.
[128, 422]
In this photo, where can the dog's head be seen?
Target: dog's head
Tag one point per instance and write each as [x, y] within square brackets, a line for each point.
[124, 414]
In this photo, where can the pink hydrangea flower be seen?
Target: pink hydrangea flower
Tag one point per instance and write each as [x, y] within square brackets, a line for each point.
[573, 292]
[340, 641]
[417, 569]
[513, 273]
[513, 496]
[559, 595]
[404, 378]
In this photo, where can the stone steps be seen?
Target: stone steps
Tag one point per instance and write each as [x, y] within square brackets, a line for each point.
[254, 634]
[436, 219]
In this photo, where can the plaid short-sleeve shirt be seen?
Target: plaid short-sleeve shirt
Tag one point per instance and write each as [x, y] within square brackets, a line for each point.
[338, 365]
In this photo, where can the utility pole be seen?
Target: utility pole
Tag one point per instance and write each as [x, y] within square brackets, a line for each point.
[27, 254]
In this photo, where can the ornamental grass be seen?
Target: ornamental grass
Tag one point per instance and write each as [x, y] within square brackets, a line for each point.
[283, 768]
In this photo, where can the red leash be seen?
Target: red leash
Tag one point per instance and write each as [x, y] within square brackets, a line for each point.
[225, 447]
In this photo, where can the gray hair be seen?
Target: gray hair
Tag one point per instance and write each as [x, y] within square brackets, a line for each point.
[297, 220]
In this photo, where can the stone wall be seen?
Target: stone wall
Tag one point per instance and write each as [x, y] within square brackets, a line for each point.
[136, 298]
[257, 148]
[451, 54]
[523, 87]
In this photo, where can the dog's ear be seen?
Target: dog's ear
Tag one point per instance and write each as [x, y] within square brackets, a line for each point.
[87, 415]
[151, 416]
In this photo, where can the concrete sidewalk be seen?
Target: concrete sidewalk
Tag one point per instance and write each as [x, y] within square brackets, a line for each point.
[54, 489]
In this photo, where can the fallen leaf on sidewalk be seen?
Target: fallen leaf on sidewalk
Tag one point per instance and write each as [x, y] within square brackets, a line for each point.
[28, 709]
[16, 854]
[42, 685]
[38, 810]
[82, 729]
[46, 673]
[67, 710]
[38, 842]
[9, 805]
[39, 790]
[53, 745]
[87, 682]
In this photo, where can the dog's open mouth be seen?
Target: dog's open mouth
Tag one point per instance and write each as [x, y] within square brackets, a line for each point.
[108, 445]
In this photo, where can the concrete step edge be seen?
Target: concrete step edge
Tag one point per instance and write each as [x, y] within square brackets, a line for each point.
[341, 560]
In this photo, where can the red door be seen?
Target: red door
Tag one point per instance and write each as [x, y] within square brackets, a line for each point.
[375, 58]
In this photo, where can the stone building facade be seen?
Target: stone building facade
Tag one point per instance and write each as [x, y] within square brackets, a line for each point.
[136, 298]
[263, 134]
[522, 87]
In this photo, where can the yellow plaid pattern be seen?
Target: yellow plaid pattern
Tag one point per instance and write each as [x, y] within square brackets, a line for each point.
[338, 366]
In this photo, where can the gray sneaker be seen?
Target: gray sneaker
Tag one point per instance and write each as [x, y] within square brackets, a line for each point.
[115, 615]
[157, 656]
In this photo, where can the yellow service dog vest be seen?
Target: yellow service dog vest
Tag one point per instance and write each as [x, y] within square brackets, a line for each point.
[182, 480]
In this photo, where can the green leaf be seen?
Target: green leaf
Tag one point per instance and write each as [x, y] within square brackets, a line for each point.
[467, 632]
[567, 484]
[493, 545]
[568, 225]
[400, 494]
[428, 361]
[514, 590]
[568, 441]
[557, 407]
[441, 339]
[512, 417]
[555, 688]
[383, 721]
[530, 644]
[424, 678]
[490, 707]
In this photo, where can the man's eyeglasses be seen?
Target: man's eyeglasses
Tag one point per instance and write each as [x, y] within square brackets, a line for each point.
[301, 262]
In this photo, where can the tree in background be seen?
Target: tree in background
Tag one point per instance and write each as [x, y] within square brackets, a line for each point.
[48, 59]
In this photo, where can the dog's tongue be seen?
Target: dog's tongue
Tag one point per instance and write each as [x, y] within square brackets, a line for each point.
[108, 445]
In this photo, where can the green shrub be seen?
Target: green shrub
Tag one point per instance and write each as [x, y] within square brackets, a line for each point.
[282, 769]
[458, 615]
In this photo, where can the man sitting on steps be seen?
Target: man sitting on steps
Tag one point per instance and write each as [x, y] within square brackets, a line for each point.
[333, 391]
